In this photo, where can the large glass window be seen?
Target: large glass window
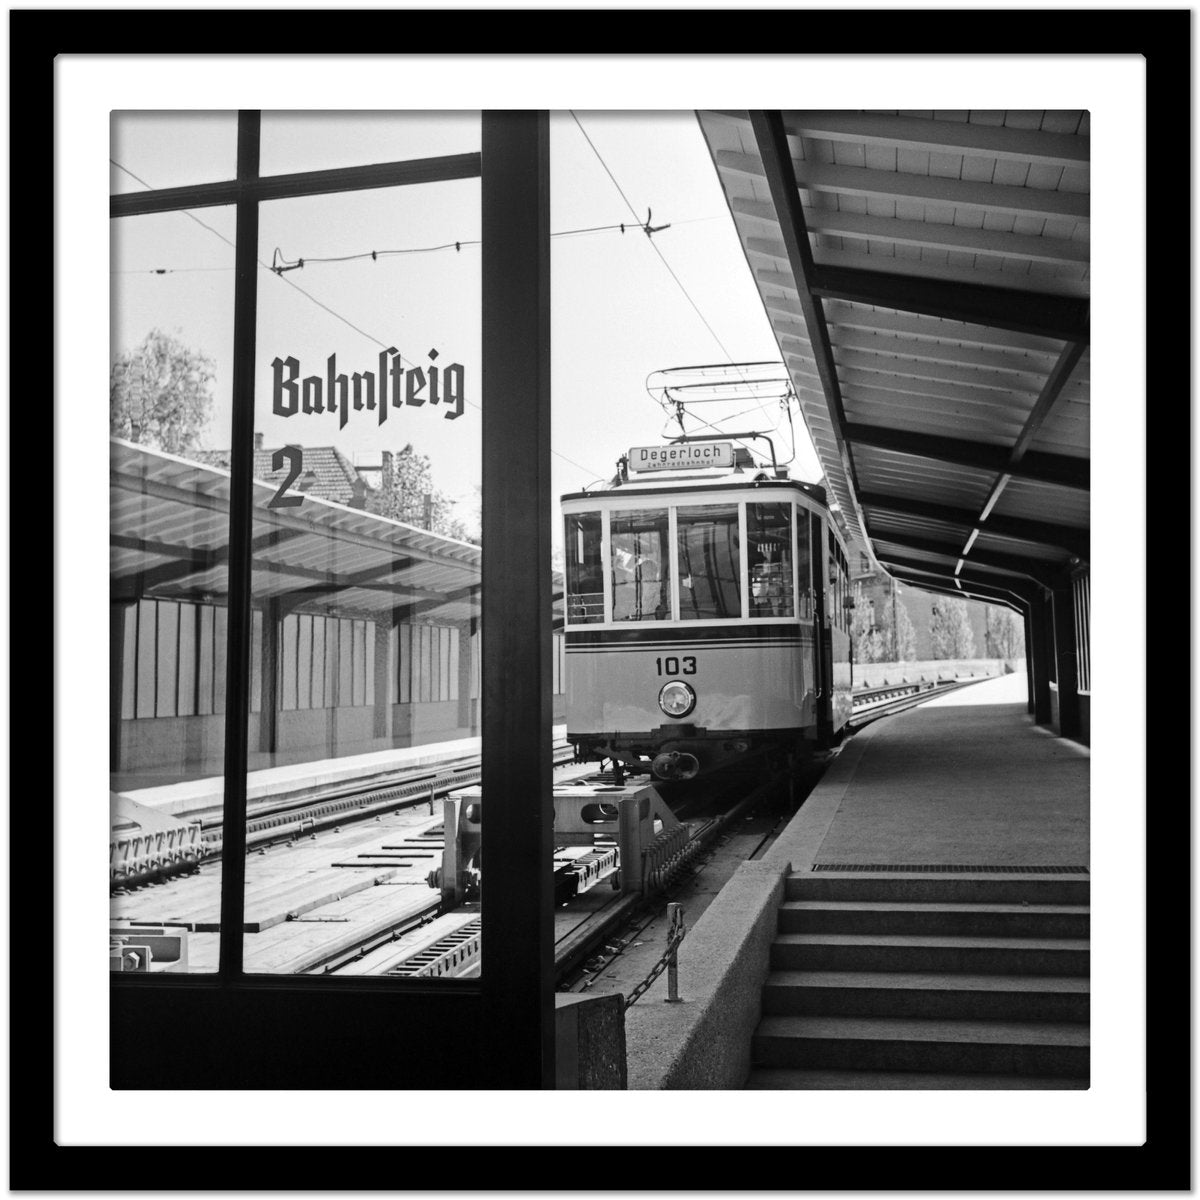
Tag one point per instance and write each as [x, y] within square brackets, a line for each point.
[769, 560]
[169, 410]
[366, 566]
[585, 568]
[709, 562]
[641, 565]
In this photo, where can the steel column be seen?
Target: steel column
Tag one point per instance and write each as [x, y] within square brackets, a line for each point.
[517, 975]
[1038, 648]
[1066, 665]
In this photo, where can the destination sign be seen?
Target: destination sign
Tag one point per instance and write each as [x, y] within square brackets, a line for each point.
[690, 455]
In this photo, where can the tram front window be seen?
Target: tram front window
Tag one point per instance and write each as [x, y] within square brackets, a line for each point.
[585, 570]
[641, 565]
[709, 574]
[769, 559]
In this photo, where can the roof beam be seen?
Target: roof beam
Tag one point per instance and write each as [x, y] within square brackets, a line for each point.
[928, 189]
[776, 164]
[942, 137]
[974, 591]
[959, 238]
[1057, 469]
[1042, 314]
[873, 321]
[1015, 587]
[1042, 533]
[985, 558]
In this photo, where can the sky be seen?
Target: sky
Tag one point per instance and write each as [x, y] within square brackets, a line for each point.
[624, 305]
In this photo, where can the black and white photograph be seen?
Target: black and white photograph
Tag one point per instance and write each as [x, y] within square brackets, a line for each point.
[606, 577]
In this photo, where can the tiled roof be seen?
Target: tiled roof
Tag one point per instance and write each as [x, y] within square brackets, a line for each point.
[327, 472]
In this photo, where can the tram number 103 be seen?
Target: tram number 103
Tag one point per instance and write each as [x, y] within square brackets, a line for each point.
[670, 666]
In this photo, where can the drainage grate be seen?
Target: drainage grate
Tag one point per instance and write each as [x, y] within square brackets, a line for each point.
[949, 869]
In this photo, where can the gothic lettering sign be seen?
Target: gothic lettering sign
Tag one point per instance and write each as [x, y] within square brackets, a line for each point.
[391, 386]
[360, 396]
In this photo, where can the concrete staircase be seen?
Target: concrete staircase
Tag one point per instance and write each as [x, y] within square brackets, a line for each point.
[947, 981]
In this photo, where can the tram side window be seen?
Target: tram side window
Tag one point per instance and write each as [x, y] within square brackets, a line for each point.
[769, 560]
[710, 585]
[802, 566]
[585, 569]
[641, 565]
[835, 595]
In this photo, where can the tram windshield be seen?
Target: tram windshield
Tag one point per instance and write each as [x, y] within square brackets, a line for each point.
[641, 565]
[709, 562]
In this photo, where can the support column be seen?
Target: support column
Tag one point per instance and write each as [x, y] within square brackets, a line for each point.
[268, 667]
[1066, 667]
[1028, 654]
[1037, 646]
[517, 975]
[386, 694]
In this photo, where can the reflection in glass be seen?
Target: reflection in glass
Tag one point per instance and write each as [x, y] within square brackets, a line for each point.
[585, 570]
[169, 403]
[709, 571]
[769, 558]
[641, 565]
[365, 585]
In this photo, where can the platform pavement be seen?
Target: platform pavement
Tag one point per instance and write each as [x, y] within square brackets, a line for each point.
[965, 780]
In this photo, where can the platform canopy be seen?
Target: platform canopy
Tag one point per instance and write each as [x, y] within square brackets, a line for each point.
[927, 278]
[170, 540]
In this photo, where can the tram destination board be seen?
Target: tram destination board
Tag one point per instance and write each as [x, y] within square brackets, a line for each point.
[666, 458]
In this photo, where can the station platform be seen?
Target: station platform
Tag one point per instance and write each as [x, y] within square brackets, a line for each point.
[961, 801]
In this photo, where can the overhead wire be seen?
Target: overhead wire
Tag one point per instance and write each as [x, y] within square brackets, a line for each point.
[333, 313]
[670, 271]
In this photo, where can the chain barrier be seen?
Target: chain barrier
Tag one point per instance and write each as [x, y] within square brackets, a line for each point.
[668, 959]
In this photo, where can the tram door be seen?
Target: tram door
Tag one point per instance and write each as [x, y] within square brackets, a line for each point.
[822, 639]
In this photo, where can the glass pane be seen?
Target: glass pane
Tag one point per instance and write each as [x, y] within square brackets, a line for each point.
[169, 409]
[802, 567]
[769, 558]
[641, 565]
[709, 571]
[585, 571]
[318, 141]
[365, 585]
[171, 149]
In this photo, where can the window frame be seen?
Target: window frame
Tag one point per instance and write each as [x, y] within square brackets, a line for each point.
[248, 1022]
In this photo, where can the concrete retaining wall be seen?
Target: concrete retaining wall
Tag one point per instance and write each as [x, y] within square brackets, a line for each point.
[884, 674]
[704, 1041]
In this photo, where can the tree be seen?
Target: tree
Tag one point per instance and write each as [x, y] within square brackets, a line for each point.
[1005, 632]
[950, 629]
[160, 394]
[410, 496]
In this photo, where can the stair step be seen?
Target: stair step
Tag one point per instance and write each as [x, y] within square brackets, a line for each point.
[932, 888]
[908, 1044]
[798, 1079]
[929, 995]
[962, 920]
[910, 952]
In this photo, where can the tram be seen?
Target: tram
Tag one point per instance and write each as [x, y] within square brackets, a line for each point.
[707, 612]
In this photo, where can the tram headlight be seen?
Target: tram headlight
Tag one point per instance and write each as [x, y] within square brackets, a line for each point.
[676, 699]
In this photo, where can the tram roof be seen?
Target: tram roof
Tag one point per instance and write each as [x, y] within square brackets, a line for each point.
[170, 540]
[927, 277]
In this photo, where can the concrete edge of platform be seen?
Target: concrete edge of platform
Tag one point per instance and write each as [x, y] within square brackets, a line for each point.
[704, 1041]
[797, 846]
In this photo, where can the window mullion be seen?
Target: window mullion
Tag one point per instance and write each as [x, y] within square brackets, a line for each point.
[241, 497]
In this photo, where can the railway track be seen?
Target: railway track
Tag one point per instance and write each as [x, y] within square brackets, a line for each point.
[873, 703]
